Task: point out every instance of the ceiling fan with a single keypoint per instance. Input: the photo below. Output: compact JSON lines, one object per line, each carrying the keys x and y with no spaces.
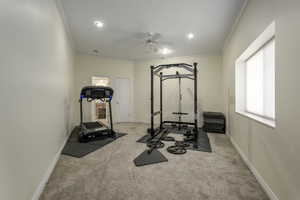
{"x":153,"y":42}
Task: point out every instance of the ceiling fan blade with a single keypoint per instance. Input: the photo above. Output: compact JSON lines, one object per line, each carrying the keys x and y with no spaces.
{"x":165,"y":43}
{"x":141,"y":35}
{"x":149,"y":42}
{"x":155,"y":36}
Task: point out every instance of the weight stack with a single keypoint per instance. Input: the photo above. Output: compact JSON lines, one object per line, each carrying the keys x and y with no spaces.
{"x":214,"y":122}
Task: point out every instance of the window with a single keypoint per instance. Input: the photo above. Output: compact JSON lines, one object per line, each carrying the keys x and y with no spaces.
{"x":260,"y":74}
{"x":255,"y":79}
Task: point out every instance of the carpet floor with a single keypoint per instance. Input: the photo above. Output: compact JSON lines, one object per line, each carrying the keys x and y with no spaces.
{"x":110,"y":174}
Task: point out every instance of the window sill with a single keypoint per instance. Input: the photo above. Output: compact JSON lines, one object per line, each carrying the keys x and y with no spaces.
{"x":264,"y":121}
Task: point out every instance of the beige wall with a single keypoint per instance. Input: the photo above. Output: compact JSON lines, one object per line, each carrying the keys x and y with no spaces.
{"x":274,"y":153}
{"x":36,"y":75}
{"x":88,"y":66}
{"x":209,"y":88}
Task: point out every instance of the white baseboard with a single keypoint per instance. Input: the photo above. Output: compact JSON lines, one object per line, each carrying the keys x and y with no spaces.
{"x":48,"y":173}
{"x":258,"y":177}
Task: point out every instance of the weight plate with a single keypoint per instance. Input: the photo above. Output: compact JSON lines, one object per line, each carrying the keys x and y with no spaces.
{"x":176,"y":150}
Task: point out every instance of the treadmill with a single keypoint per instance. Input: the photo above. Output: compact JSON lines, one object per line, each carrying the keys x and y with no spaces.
{"x":90,"y":131}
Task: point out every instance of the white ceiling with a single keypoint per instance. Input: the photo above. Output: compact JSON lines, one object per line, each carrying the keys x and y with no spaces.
{"x":209,"y":20}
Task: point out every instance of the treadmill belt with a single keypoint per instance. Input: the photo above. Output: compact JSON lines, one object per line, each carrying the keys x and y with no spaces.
{"x":76,"y":149}
{"x":92,"y":125}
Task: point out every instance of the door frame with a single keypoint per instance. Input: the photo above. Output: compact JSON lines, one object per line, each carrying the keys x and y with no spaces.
{"x":93,"y":104}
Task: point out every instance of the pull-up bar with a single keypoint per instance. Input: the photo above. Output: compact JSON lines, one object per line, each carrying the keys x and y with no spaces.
{"x":174,"y":65}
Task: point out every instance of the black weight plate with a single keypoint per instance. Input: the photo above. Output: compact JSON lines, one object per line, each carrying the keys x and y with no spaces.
{"x":176,"y":150}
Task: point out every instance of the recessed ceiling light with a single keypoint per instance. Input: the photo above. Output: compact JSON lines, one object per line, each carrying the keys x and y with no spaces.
{"x":190,"y":36}
{"x":165,"y":51}
{"x":98,"y":24}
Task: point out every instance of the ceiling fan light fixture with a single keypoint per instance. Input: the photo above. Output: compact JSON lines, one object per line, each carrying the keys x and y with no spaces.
{"x":165,"y":51}
{"x":98,"y":24}
{"x":190,"y":36}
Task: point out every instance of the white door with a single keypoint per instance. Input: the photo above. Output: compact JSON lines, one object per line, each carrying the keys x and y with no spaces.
{"x":122,"y":99}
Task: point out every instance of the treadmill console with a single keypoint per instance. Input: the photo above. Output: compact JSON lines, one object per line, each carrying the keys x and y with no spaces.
{"x":96,"y":92}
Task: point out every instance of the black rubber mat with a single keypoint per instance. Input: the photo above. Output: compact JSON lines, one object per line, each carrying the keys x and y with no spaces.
{"x":175,"y":130}
{"x":146,"y":158}
{"x":203,"y":143}
{"x":78,"y":150}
